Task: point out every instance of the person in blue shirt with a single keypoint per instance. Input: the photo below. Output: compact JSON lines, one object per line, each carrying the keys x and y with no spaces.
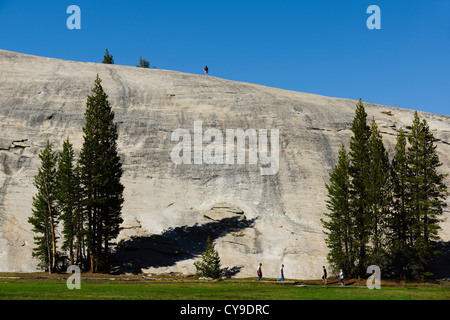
{"x":282,"y":273}
{"x":324,"y":276}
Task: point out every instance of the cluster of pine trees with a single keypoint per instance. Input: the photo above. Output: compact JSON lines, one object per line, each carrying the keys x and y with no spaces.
{"x":385,"y":212}
{"x":85,"y":195}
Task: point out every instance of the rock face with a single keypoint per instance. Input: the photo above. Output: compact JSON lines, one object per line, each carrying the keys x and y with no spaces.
{"x":171,"y":208}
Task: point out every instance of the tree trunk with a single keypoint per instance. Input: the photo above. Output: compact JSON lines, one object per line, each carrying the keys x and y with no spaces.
{"x":77,"y":250}
{"x":52,"y":230}
{"x":53,"y":241}
{"x":47,"y":243}
{"x":92,"y":261}
{"x":71,"y":256}
{"x":106,"y":255}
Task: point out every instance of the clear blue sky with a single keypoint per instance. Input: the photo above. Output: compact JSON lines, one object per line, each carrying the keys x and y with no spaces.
{"x":320,"y":46}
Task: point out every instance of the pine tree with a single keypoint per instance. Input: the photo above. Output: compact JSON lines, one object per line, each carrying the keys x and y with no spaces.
{"x":45,"y":213}
{"x":209,"y":266}
{"x":400,"y":222}
{"x":380,"y":191}
{"x":339,"y":224}
{"x":101,"y":172}
{"x":108,"y":59}
{"x":143,"y":63}
{"x":359,"y":194}
{"x":68,"y":197}
{"x":427,"y":194}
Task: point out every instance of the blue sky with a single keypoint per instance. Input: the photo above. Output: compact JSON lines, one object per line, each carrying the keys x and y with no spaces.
{"x":321,"y":47}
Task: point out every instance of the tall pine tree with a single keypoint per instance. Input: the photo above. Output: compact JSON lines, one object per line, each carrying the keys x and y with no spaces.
{"x":101,"y":172}
{"x":359,"y":194}
{"x":68,"y":198}
{"x":339,"y":224}
{"x":45,"y":212}
{"x":380,"y":195}
{"x":399,"y":222}
{"x":427,"y":193}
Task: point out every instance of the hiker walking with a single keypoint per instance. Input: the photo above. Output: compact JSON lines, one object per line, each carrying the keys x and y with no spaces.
{"x":324,"y":276}
{"x":206,"y":70}
{"x":282,"y":273}
{"x":341,"y":277}
{"x":259,"y":271}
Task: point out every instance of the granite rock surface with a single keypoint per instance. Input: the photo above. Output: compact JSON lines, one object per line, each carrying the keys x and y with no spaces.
{"x":171,"y":208}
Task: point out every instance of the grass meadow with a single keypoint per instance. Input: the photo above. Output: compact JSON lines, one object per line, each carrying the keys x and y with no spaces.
{"x":105,"y":287}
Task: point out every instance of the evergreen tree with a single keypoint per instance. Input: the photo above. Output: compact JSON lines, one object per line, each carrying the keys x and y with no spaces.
{"x":380,"y":191}
{"x":359,"y":192}
{"x":108,"y":59}
{"x":68,"y":197}
{"x":400,"y":222}
{"x":143,"y":63}
{"x":101,"y":172}
{"x":339,"y":224}
{"x":45,"y":213}
{"x":427,"y":194}
{"x":209,"y":266}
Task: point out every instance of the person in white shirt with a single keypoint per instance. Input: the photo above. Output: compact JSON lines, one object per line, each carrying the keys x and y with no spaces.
{"x":259,"y":271}
{"x":341,"y":277}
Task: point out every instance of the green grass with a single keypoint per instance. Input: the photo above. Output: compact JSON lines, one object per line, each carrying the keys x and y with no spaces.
{"x":103,"y":289}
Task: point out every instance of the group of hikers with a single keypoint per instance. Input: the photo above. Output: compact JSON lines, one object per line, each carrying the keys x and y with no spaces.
{"x":341,"y":276}
{"x":324,"y":274}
